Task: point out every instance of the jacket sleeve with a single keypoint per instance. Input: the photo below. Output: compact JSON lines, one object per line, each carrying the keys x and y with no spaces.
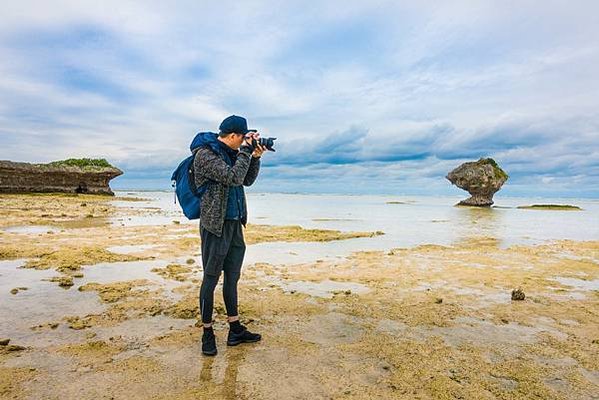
{"x":208,"y":165}
{"x":253,"y":171}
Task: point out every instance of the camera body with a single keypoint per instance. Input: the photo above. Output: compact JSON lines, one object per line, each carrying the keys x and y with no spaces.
{"x":264,"y":142}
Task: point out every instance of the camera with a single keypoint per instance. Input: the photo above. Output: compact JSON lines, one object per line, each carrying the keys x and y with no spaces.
{"x":265,"y":142}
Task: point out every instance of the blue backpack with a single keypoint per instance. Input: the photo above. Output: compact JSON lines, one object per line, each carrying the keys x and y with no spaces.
{"x":190,"y":196}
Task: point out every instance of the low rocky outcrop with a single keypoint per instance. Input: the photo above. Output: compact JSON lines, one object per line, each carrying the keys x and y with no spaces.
{"x":67,"y":176}
{"x":482,"y":179}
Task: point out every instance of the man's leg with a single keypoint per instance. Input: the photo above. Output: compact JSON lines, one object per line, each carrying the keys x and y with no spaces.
{"x":230,"y":294}
{"x":209,"y":283}
{"x":214,"y":250}
{"x":232,"y":271}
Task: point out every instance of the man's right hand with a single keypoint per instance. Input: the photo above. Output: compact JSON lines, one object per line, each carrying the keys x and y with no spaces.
{"x":250,"y":136}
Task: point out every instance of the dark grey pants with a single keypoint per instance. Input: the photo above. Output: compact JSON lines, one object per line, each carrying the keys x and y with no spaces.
{"x":225,"y":254}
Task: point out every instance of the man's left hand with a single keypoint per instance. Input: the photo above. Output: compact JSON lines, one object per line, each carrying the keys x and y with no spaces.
{"x":259,"y":150}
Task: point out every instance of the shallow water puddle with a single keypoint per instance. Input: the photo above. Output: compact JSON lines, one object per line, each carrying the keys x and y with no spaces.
{"x":104,"y":273}
{"x":130,"y":249}
{"x":484,"y":298}
{"x":570,"y":256}
{"x":123,"y":271}
{"x":332,"y":329}
{"x":470,"y":330}
{"x":40,"y":303}
{"x":146,"y":220}
{"x":287,"y":253}
{"x":31,"y":229}
{"x":141,"y":328}
{"x":325,"y":289}
{"x":579,"y":284}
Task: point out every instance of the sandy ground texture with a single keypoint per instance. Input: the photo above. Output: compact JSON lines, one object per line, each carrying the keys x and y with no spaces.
{"x":98,"y":310}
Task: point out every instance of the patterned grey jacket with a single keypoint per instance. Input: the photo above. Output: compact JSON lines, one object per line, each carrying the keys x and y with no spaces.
{"x":209,"y":165}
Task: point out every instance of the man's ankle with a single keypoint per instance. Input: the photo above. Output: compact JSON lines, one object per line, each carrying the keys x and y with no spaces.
{"x":236,"y":326}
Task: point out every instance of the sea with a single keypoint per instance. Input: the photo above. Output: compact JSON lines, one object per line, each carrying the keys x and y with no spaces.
{"x":406,"y":221}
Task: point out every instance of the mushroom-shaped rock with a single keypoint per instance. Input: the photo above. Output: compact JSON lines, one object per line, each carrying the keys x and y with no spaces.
{"x":482,"y":179}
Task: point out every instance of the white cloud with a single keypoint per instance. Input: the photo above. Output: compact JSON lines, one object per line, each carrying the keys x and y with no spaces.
{"x":435,"y":82}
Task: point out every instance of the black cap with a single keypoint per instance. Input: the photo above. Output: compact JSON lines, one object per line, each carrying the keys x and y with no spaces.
{"x":235,"y":124}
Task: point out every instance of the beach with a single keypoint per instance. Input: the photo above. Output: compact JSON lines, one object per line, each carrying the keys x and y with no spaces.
{"x":356,"y":297}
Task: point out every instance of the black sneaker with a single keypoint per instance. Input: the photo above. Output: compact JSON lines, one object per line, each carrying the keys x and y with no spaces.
{"x":209,"y":343}
{"x":244,"y":336}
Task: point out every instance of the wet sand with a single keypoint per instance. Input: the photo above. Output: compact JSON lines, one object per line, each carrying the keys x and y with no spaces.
{"x":105,"y":309}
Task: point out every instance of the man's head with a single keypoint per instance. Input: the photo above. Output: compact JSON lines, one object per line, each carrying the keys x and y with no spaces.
{"x":233,"y":130}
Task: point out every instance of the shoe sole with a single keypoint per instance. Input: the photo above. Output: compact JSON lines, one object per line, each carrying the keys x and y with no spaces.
{"x":242,"y":341}
{"x":209,"y":353}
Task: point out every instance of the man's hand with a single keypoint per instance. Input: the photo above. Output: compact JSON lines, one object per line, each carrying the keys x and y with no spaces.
{"x":249,"y":137}
{"x":258,"y":150}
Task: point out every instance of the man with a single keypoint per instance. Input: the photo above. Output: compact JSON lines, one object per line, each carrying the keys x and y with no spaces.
{"x":228,"y":161}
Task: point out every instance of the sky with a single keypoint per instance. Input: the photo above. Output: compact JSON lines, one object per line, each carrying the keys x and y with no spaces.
{"x":362,"y":96}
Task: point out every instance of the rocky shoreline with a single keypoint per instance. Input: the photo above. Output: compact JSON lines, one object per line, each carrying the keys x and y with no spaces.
{"x":425,"y":322}
{"x":66,"y":176}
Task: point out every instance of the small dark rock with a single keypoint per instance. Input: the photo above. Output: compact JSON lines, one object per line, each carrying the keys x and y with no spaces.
{"x":4,"y":342}
{"x":518,"y":295}
{"x":438,"y":300}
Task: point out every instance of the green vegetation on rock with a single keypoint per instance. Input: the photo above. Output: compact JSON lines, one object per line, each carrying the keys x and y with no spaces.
{"x":82,"y":163}
{"x":550,"y":207}
{"x":499,"y":173}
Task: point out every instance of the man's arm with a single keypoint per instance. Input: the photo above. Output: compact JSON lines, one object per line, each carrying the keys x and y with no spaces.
{"x":253,"y":171}
{"x":209,"y":165}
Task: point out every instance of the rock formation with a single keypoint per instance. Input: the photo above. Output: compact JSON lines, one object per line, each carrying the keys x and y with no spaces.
{"x":481,"y":179}
{"x":68,"y":176}
{"x":518,"y":295}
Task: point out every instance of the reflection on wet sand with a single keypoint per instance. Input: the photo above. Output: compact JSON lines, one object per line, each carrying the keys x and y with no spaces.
{"x":226,"y":377}
{"x":477,"y":222}
{"x":235,"y":357}
{"x":206,"y":371}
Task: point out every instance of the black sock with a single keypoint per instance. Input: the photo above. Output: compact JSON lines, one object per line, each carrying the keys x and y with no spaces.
{"x":236,"y":326}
